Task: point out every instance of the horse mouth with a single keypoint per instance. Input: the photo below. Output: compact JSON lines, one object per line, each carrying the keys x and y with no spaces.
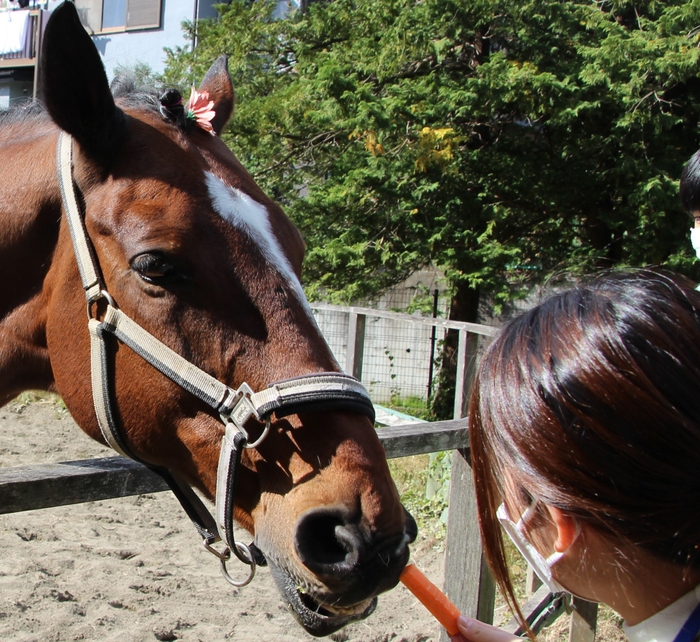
{"x":330,"y":611}
{"x":319,"y":618}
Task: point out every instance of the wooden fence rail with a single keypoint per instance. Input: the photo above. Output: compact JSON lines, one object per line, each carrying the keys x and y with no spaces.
{"x":73,"y":482}
{"x":467,"y":580}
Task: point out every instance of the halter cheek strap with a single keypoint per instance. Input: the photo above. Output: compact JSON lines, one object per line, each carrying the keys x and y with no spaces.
{"x":319,"y":391}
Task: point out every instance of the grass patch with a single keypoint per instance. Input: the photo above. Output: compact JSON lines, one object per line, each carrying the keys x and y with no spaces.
{"x":411,"y":476}
{"x":24,"y":399}
{"x":413,"y":406}
{"x":37,"y":396}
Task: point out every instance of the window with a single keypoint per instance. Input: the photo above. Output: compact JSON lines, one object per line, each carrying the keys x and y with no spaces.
{"x":118,"y":15}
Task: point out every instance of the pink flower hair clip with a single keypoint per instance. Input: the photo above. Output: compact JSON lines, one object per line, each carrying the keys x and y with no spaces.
{"x":200,"y":109}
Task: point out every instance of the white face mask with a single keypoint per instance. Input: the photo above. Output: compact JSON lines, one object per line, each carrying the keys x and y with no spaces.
{"x":541,"y":566}
{"x":695,"y":240}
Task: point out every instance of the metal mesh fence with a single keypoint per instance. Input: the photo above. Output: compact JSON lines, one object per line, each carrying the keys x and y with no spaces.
{"x":398,"y":357}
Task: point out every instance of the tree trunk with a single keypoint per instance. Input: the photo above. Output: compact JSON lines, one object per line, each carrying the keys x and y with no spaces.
{"x":608,"y":247}
{"x":464,"y":307}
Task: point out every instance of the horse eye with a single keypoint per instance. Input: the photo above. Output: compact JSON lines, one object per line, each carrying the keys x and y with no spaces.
{"x":155,"y":268}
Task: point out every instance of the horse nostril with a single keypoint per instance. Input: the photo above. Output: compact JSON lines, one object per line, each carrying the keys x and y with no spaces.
{"x":351,"y":561}
{"x":351,"y":541}
{"x":325,"y":543}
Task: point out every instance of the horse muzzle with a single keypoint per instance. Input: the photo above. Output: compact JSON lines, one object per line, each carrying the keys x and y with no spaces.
{"x":350,"y":568}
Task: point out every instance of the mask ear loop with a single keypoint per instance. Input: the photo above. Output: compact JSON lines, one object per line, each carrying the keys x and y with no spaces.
{"x":529,"y":514}
{"x":516,"y":532}
{"x":526,"y":517}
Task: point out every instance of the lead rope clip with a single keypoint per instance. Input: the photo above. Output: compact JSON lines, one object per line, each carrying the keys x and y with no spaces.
{"x":225,"y":555}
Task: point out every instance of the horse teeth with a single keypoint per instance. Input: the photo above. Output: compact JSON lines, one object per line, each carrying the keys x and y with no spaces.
{"x":331,"y":609}
{"x":347,"y":610}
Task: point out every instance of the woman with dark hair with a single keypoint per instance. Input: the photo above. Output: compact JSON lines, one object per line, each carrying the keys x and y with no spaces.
{"x":690,"y":197}
{"x":585,"y":442}
{"x":690,"y":184}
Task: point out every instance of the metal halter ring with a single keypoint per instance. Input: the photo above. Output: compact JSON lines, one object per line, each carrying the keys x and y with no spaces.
{"x":260,"y":439}
{"x":103,"y":294}
{"x":225,"y":556}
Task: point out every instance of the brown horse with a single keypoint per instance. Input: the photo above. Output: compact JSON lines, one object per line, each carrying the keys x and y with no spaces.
{"x":192,"y":250}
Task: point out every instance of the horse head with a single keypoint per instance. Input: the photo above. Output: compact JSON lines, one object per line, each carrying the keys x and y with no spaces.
{"x":193,"y":251}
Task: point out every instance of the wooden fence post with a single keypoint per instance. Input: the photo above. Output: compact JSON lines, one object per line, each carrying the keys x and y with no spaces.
{"x":583,"y":620}
{"x":467,"y":349}
{"x":461,"y":376}
{"x":532,"y":582}
{"x":356,"y":344}
{"x":468,"y":581}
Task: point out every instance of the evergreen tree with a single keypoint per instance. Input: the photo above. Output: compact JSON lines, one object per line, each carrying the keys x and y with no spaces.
{"x":500,"y":140}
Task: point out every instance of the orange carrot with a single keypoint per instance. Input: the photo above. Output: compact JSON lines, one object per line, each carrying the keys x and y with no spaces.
{"x":432,"y":598}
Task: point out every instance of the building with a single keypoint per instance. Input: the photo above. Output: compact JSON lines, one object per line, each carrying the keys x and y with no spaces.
{"x":20,"y":31}
{"x":126,"y":33}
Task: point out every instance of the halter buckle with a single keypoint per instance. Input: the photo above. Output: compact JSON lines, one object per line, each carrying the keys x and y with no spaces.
{"x":242,"y":410}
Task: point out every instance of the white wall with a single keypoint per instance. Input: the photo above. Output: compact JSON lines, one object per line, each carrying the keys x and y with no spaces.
{"x":129,"y":48}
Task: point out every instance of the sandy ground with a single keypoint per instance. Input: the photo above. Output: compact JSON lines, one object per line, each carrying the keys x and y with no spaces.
{"x":133,"y":569}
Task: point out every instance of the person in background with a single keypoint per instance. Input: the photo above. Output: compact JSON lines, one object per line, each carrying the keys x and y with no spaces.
{"x":690,"y":197}
{"x":585,"y":441}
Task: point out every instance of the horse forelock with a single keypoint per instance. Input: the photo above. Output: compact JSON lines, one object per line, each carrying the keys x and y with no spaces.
{"x":129,"y":94}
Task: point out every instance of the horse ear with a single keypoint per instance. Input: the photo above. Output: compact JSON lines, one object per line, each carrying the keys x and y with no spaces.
{"x":217,"y":83}
{"x":74,"y":84}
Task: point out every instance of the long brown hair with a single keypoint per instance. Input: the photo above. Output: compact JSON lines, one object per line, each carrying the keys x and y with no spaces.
{"x":591,"y":403}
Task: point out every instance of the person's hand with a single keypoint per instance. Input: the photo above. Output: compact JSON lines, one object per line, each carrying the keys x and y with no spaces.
{"x":471,"y":630}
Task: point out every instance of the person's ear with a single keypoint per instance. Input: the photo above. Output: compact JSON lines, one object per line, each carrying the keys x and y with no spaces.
{"x":568,"y":528}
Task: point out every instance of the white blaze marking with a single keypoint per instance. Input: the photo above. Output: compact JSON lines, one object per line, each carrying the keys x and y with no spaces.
{"x":248,"y":215}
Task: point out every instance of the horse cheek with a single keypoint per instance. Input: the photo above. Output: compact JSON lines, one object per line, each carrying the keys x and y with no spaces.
{"x":69,"y":349}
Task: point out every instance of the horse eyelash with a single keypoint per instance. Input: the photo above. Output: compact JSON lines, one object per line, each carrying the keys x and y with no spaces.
{"x":161,"y":266}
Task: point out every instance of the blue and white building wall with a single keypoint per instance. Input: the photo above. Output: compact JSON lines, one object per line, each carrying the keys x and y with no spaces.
{"x":131,"y":32}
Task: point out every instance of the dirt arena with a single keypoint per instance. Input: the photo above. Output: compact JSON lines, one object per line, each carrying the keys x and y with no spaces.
{"x":133,"y":569}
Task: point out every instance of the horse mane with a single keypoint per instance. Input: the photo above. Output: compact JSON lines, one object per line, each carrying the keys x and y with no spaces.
{"x":129,"y":93}
{"x":126,"y":91}
{"x":23,"y":112}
